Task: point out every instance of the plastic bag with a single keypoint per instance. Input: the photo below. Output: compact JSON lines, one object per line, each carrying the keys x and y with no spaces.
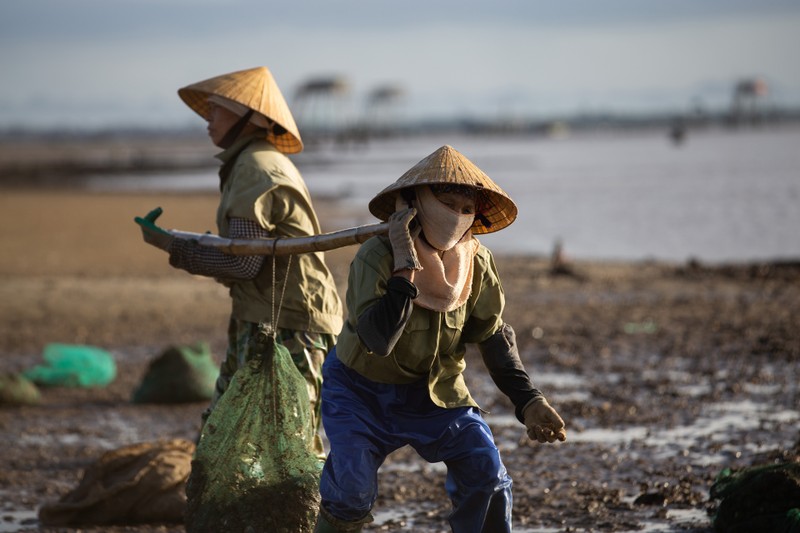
{"x":254,"y":469}
{"x":180,"y":374}
{"x":70,"y":365}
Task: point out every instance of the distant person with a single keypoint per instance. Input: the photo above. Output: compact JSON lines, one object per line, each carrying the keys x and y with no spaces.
{"x":263,"y":196}
{"x":415,"y":298}
{"x":677,"y":131}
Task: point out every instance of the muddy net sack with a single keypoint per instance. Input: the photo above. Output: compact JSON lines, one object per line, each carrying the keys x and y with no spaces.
{"x":760,"y":498}
{"x":254,"y":469}
{"x":185,"y":373}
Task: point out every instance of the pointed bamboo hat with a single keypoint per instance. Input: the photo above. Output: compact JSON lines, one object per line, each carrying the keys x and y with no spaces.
{"x":496,"y":210}
{"x":255,"y":89}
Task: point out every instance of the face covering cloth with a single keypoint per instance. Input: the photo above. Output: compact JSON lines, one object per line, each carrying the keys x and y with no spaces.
{"x":441,"y":226}
{"x":445,"y":249}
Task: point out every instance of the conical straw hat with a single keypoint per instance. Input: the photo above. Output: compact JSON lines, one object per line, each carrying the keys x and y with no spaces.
{"x":447,"y":165}
{"x":254,"y":88}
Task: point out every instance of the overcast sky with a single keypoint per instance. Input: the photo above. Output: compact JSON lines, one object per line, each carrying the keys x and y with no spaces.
{"x":97,"y":63}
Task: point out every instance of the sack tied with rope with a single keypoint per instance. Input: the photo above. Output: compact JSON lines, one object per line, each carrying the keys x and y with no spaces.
{"x":254,"y":469}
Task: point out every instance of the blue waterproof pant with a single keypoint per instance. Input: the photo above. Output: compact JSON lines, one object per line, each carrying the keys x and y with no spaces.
{"x":365,"y":421}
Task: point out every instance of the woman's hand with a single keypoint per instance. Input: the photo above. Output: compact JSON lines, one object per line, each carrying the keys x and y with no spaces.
{"x":152,"y":233}
{"x":543,"y":422}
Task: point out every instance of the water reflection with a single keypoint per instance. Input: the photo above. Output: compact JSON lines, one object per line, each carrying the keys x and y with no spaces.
{"x":727,"y":195}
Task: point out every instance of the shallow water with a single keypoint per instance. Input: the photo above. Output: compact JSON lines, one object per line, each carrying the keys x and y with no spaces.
{"x":723,"y":195}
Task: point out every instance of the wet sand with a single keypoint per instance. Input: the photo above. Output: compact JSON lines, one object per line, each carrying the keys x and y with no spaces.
{"x":664,"y":373}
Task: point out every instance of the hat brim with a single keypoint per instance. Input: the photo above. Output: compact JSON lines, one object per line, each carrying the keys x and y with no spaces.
{"x":255,"y":89}
{"x":496,"y":209}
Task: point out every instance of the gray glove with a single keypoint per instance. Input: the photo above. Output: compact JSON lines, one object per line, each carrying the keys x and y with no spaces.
{"x":402,"y":236}
{"x":543,"y":422}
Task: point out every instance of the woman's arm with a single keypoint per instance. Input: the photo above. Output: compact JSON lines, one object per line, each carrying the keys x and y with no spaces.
{"x":501,"y":357}
{"x":380,"y":326}
{"x":190,"y":256}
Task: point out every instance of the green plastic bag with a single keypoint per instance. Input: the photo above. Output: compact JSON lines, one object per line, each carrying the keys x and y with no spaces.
{"x":71,"y":365}
{"x":764,"y":498}
{"x":254,"y":469}
{"x":179,"y":374}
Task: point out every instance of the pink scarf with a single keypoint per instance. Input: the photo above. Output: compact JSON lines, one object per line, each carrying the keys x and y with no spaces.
{"x":445,"y":281}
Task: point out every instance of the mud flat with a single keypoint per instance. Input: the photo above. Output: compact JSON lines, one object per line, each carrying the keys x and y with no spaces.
{"x":664,"y":373}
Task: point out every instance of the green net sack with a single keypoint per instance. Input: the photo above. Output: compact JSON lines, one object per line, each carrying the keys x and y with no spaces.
{"x":179,"y":374}
{"x":254,"y":469}
{"x":760,"y":498}
{"x":71,"y":365}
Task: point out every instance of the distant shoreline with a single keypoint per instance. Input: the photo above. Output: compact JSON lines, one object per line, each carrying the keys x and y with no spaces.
{"x":66,"y":162}
{"x":541,"y":123}
{"x":630,"y":221}
{"x":64,"y":159}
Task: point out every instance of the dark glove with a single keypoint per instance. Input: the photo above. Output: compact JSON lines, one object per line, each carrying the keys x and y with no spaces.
{"x":543,"y":422}
{"x":402,"y":236}
{"x":151,"y":233}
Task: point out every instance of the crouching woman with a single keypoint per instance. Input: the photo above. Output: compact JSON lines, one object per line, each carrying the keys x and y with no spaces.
{"x":414,"y":300}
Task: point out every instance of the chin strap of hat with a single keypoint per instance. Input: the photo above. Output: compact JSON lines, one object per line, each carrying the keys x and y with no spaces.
{"x":228,"y":140}
{"x":236,"y":129}
{"x":483,"y":220}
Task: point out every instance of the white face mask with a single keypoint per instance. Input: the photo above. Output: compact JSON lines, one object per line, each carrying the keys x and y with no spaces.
{"x":442,"y":226}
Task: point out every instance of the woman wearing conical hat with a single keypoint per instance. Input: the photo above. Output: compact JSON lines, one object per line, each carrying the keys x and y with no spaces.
{"x":414,"y":300}
{"x":262,"y":195}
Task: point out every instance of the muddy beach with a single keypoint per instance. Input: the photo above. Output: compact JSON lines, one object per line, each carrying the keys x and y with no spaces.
{"x":664,"y":373}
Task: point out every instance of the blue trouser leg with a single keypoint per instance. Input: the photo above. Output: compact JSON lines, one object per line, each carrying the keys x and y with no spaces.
{"x":365,"y":421}
{"x":478,"y":501}
{"x":349,"y":481}
{"x":477,"y":481}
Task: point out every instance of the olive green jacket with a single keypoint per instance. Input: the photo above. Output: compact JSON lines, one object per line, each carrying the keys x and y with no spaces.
{"x":266,"y":187}
{"x":432,"y":344}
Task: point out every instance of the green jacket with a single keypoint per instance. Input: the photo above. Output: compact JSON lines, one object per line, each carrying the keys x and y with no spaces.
{"x":265,"y":186}
{"x":432,"y":345}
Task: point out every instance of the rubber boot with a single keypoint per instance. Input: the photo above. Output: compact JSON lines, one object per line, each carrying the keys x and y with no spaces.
{"x":329,"y":524}
{"x":323,"y":526}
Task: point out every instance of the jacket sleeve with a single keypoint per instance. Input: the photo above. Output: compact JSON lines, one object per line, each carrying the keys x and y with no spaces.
{"x":380,"y":326}
{"x":200,"y":260}
{"x":501,"y":357}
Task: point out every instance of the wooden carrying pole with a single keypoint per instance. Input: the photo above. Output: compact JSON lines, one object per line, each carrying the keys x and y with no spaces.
{"x":286,"y":245}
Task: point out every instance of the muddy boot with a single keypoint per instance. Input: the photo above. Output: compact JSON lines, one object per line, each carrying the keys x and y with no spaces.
{"x":330,"y":524}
